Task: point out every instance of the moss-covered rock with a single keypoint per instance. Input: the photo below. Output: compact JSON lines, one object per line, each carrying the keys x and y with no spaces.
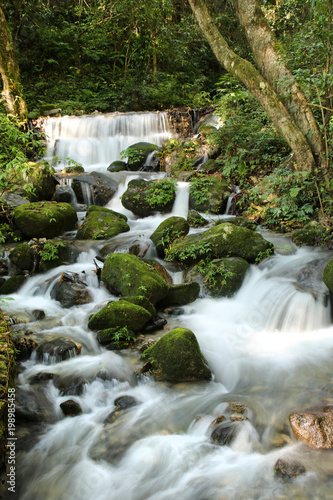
{"x":120,"y":314}
{"x":138,"y":154}
{"x":12,"y":284}
{"x":40,"y":176}
{"x":145,"y":198}
{"x":116,"y":338}
{"x":237,"y":221}
{"x":54,"y":253}
{"x":219,"y":277}
{"x":305,"y":237}
{"x":45,"y":219}
{"x":220,"y":241}
{"x":179,"y":295}
{"x":195,"y":219}
{"x":101,"y":223}
{"x":130,"y":276}
{"x":209,"y":194}
{"x":117,"y":166}
{"x":22,"y":257}
{"x":177,"y":357}
{"x":327,"y":275}
{"x":142,"y":301}
{"x":168,"y":231}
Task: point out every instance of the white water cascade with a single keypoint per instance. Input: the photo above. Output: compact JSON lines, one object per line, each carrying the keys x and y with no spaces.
{"x":270,"y":348}
{"x":97,"y":140}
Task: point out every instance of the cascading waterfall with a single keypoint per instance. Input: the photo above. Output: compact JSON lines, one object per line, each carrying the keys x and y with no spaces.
{"x":97,"y":140}
{"x":269,"y":347}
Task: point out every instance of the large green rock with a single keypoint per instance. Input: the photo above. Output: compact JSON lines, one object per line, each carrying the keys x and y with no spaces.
{"x":22,"y":257}
{"x":145,"y":198}
{"x":120,"y":314}
{"x":224,"y":240}
{"x":45,"y":219}
{"x":328,"y":275}
{"x":101,"y":223}
{"x":12,"y":284}
{"x":209,"y":194}
{"x":179,"y":295}
{"x":138,"y":154}
{"x":128,"y":275}
{"x":219,"y":277}
{"x":169,"y":230}
{"x":40,"y":176}
{"x":177,"y":357}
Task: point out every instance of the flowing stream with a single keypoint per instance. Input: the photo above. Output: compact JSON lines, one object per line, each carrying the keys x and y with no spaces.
{"x":270,"y":348}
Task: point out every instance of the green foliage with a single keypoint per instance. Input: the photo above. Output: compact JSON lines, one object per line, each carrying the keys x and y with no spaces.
{"x":161,"y":192}
{"x":123,"y":336}
{"x":50,"y":250}
{"x":184,"y":151}
{"x":200,"y":188}
{"x":192,"y":252}
{"x":131,"y":154}
{"x":214,"y":272}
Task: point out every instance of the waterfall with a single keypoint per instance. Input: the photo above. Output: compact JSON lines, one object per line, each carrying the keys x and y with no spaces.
{"x":97,"y":140}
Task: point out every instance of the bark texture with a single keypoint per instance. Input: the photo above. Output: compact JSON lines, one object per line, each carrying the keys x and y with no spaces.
{"x":12,"y":95}
{"x":259,"y":86}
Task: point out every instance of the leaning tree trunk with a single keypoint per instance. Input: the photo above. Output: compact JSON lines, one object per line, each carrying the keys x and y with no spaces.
{"x":258,"y":86}
{"x":12,"y":95}
{"x":265,"y":49}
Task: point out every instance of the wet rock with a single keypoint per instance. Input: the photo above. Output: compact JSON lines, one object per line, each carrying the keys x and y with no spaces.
{"x":142,"y":301}
{"x":177,"y":357}
{"x":138,"y":196}
{"x":115,"y":338}
{"x":33,"y":405}
{"x":25,"y":347}
{"x":101,"y":188}
{"x":209,"y":194}
{"x":138,"y":155}
{"x":182,"y":294}
{"x":73,"y":385}
{"x":45,"y":219}
{"x":195,"y":219}
{"x":288,"y":470}
{"x":224,"y":433}
{"x":23,"y":257}
{"x":160,"y":270}
{"x":131,"y":276}
{"x":120,"y":314}
{"x":328,"y":275}
{"x":154,"y":324}
{"x":60,"y":348}
{"x":64,"y":254}
{"x":219,"y":277}
{"x":169,"y":230}
{"x":12,"y":284}
{"x":41,"y":377}
{"x":3,"y":267}
{"x":101,"y":223}
{"x":121,"y":403}
{"x":38,"y":314}
{"x":63,"y":194}
{"x":117,"y":166}
{"x":71,"y":408}
{"x":314,"y":426}
{"x":70,"y":294}
{"x":220,"y":241}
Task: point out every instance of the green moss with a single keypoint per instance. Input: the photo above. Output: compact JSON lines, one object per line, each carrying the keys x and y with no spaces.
{"x":169,"y":230}
{"x":147,"y":197}
{"x":177,"y":357}
{"x":22,"y":257}
{"x":12,"y":284}
{"x":209,"y":194}
{"x":328,"y":275}
{"x":141,"y":301}
{"x":130,"y":276}
{"x":195,"y":219}
{"x":101,"y":223}
{"x":120,"y":314}
{"x":180,"y":295}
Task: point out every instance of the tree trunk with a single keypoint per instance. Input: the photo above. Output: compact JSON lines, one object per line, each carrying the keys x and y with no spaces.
{"x":12,"y":95}
{"x":258,"y":86}
{"x":265,"y":49}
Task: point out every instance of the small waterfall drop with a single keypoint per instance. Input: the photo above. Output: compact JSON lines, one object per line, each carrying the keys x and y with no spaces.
{"x":97,"y":140}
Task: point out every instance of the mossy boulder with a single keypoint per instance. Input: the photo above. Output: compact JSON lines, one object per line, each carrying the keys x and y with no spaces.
{"x":22,"y":257}
{"x":142,"y":301}
{"x":138,"y":154}
{"x":219,"y":277}
{"x":177,"y":357}
{"x":328,"y":275}
{"x":224,"y":240}
{"x":209,"y":194}
{"x":130,"y":276}
{"x":45,"y":219}
{"x":101,"y":223}
{"x":40,"y":176}
{"x":179,"y":295}
{"x":12,"y":284}
{"x":195,"y":219}
{"x":169,"y":230}
{"x":63,"y":255}
{"x":237,"y":221}
{"x":117,"y":166}
{"x":145,"y":198}
{"x":120,"y":314}
{"x":305,"y":237}
{"x":116,"y":338}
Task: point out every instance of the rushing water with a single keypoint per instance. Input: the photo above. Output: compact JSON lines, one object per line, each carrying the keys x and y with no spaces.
{"x":270,"y":348}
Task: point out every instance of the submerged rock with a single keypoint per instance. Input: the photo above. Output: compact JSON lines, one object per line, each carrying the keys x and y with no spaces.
{"x":71,"y":408}
{"x":131,"y":276}
{"x":101,"y":223}
{"x":286,"y":469}
{"x":45,"y":219}
{"x":60,"y":348}
{"x":314,"y":426}
{"x":177,"y":357}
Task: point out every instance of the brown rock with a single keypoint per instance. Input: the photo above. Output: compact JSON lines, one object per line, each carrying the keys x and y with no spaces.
{"x":314,"y":426}
{"x":288,"y":470}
